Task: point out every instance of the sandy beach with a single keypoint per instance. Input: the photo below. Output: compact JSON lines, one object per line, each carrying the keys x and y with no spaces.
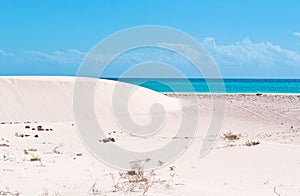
{"x":256,"y":153}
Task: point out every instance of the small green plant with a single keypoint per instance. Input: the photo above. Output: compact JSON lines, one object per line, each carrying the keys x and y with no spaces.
{"x":4,"y":140}
{"x":172,"y":168}
{"x":19,"y":134}
{"x":35,"y":159}
{"x":25,"y":152}
{"x":147,"y":159}
{"x":252,"y":143}
{"x":79,"y":154}
{"x":160,"y":163}
{"x":32,"y":149}
{"x":5,"y":158}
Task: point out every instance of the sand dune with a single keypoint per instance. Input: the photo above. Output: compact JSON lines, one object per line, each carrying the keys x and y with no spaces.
{"x":50,"y":99}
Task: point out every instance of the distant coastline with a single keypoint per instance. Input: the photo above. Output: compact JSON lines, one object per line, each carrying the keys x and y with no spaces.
{"x":247,"y":86}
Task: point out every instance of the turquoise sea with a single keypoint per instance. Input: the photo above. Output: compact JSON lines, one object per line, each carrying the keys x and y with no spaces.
{"x":231,"y":85}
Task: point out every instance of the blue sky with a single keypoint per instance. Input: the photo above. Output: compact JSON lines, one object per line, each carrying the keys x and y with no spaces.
{"x":246,"y":38}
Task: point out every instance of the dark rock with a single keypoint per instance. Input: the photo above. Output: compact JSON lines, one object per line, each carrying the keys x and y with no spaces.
{"x":109,"y":139}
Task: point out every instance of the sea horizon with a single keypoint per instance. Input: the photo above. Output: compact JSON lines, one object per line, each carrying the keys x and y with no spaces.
{"x":199,"y":85}
{"x":232,"y":85}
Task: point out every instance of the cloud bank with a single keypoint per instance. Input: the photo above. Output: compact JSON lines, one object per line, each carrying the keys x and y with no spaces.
{"x":246,"y":52}
{"x":244,"y":58}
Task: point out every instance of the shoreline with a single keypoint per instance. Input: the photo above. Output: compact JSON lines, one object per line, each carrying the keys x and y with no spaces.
{"x":204,"y":93}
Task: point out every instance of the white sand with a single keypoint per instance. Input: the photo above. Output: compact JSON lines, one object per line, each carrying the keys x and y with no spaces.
{"x":231,"y":168}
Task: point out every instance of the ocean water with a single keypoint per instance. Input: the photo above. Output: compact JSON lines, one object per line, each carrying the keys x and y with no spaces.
{"x":231,"y":85}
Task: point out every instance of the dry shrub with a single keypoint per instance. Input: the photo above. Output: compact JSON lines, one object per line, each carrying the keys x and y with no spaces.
{"x":95,"y":190}
{"x":252,"y":143}
{"x":136,"y":179}
{"x":231,"y":137}
{"x":7,"y":192}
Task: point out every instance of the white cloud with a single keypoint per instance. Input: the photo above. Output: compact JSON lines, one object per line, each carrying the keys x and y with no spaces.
{"x":181,"y":48}
{"x":246,"y":52}
{"x":297,"y":33}
{"x":70,"y":56}
{"x":8,"y":58}
{"x":7,"y":54}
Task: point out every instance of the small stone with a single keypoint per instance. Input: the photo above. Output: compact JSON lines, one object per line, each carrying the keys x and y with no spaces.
{"x":110,"y":139}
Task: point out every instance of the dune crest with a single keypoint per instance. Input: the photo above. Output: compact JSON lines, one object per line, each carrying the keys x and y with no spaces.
{"x":50,"y":98}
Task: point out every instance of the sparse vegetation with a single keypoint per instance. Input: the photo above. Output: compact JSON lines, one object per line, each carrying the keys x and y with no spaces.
{"x":79,"y":154}
{"x":160,"y":163}
{"x":7,"y":192}
{"x":19,"y":134}
{"x":135,"y":179}
{"x":56,"y":150}
{"x":46,"y":193}
{"x":32,"y":149}
{"x":5,"y":158}
{"x":95,"y":190}
{"x":4,"y":140}
{"x":138,"y":180}
{"x":252,"y":143}
{"x":231,"y":137}
{"x":172,"y":168}
{"x":26,"y":151}
{"x":35,"y":159}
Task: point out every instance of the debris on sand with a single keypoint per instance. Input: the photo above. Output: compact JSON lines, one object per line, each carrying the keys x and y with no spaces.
{"x":109,"y":139}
